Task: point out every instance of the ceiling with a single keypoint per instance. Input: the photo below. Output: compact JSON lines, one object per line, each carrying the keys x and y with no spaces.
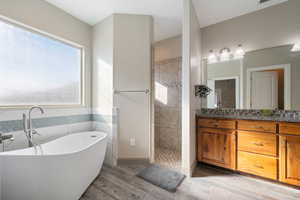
{"x":212,"y":11}
{"x":167,"y":14}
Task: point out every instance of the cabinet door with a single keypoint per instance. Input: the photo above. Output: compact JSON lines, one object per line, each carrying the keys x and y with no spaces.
{"x":217,"y":147}
{"x":289,"y":158}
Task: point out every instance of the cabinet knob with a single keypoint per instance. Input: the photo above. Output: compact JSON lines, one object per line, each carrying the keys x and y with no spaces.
{"x":258,"y":127}
{"x":259,"y":166}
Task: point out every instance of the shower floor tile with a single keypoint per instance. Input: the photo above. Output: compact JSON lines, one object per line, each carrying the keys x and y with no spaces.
{"x":168,"y":158}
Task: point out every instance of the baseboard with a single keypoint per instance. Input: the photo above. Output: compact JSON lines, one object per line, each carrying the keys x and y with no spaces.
{"x":189,"y":171}
{"x":133,"y":161}
{"x":193,"y":167}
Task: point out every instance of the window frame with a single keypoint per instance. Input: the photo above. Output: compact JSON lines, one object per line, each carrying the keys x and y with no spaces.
{"x":59,"y":39}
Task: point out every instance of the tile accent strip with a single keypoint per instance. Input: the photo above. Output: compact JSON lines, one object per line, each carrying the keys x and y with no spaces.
{"x":17,"y":125}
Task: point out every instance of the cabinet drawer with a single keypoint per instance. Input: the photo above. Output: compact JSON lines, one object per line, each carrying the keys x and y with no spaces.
{"x":257,"y":126}
{"x":262,"y":143}
{"x":216,"y":123}
{"x":256,"y":164}
{"x":289,"y":128}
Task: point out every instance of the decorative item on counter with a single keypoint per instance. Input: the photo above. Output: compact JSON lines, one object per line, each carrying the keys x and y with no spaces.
{"x":267,"y":113}
{"x":202,"y":91}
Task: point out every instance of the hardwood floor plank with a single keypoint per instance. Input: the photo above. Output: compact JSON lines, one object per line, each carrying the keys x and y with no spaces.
{"x":116,"y":190}
{"x":148,"y":188}
{"x":94,"y":193}
{"x":209,"y":183}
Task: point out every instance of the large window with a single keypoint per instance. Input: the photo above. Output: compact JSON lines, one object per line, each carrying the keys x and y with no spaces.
{"x":36,"y":69}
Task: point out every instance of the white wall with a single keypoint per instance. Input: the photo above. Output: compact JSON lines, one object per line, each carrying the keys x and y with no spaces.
{"x":273,"y":26}
{"x":133,"y":35}
{"x":103,"y":67}
{"x":191,"y":67}
{"x":103,"y":41}
{"x":122,"y":61}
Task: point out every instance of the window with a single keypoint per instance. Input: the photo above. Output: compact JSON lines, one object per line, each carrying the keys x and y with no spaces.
{"x":37,"y":69}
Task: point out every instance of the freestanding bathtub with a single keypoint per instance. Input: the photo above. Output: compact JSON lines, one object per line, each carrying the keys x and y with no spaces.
{"x":61,"y":169}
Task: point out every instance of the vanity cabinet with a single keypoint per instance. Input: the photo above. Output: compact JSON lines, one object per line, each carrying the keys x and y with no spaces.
{"x":257,"y":148}
{"x":262,"y":148}
{"x":218,"y":147}
{"x":289,"y":153}
{"x":256,"y":164}
{"x":217,"y":139}
{"x":257,"y":142}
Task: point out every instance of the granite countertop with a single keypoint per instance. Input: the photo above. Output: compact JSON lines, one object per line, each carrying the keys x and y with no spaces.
{"x":247,"y":117}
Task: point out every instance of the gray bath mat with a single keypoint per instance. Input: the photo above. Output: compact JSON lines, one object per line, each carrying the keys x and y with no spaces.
{"x":162,"y":177}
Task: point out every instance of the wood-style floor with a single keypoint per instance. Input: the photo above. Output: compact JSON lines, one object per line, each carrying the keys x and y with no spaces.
{"x":120,"y":183}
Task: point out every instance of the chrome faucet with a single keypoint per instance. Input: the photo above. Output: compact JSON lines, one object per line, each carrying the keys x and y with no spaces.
{"x":27,"y":125}
{"x":6,"y":137}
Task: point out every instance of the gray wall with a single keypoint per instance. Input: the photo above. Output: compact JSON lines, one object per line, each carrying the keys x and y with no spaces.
{"x":224,"y":69}
{"x":168,"y":111}
{"x":273,"y":26}
{"x":168,"y":49}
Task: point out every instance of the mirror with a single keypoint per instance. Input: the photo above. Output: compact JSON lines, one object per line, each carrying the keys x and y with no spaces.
{"x":262,"y":79}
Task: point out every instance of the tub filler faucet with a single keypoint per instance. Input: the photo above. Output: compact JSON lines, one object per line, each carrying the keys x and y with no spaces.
{"x":27,"y":125}
{"x":6,"y":137}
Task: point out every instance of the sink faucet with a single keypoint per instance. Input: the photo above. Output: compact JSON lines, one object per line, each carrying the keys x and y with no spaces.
{"x":27,"y":124}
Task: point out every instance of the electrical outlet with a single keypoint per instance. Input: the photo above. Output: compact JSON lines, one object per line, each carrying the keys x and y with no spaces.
{"x":132,"y":141}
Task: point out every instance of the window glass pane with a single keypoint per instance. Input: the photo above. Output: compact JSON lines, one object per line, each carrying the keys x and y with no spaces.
{"x":35,"y":69}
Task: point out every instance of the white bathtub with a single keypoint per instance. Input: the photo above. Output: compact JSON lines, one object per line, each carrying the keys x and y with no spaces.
{"x":61,"y":169}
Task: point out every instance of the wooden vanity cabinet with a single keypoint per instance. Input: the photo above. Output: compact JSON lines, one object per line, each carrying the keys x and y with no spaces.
{"x":289,"y":153}
{"x":217,"y":142}
{"x":262,"y":148}
{"x":218,"y":147}
{"x":257,"y":148}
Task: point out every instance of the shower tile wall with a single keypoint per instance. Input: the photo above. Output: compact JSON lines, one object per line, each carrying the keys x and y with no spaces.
{"x":167,"y":76}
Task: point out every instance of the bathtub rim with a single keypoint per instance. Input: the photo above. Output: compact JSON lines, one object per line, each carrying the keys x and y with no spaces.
{"x":14,"y":153}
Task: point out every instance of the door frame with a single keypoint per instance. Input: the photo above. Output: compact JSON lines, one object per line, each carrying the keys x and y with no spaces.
{"x":287,"y":83}
{"x":238,"y":88}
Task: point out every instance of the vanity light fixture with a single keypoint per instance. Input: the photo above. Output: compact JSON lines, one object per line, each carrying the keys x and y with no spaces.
{"x":239,"y":53}
{"x":212,"y":58}
{"x":296,"y":47}
{"x":225,"y":54}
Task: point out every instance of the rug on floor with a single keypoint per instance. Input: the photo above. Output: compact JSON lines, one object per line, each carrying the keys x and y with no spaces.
{"x":162,"y":177}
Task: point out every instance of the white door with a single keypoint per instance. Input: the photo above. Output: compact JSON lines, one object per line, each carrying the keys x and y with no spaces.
{"x":264,"y":90}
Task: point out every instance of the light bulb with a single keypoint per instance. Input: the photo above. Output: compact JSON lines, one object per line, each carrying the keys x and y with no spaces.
{"x":225,"y":54}
{"x":296,"y":47}
{"x":212,"y":58}
{"x":239,"y":53}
